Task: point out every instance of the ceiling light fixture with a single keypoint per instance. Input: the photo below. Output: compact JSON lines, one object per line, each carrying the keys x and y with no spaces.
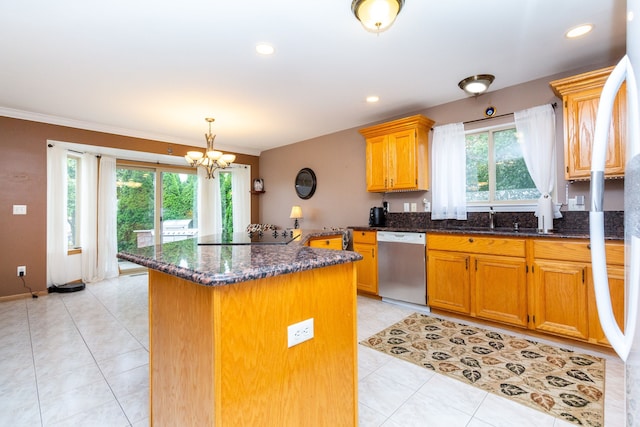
{"x":211,"y":159}
{"x":578,"y":31}
{"x":372,"y":99}
{"x":475,"y":85}
{"x":376,"y":15}
{"x":264,"y":49}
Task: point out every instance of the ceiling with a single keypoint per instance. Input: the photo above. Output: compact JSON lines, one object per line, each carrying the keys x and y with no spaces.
{"x":156,"y":69}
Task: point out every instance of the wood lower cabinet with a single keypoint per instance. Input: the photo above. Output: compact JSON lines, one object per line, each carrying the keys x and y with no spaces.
{"x":500,"y":291}
{"x":326,"y":242}
{"x":562,"y":288}
{"x":448,"y":283}
{"x":483,"y":277}
{"x":616,"y":291}
{"x":561,"y":298}
{"x":365,"y":243}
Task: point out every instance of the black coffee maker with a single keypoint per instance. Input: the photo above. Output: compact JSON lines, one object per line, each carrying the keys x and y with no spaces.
{"x":377,"y":217}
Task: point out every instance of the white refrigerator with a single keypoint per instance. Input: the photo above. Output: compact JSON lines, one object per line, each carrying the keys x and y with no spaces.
{"x":627,"y":343}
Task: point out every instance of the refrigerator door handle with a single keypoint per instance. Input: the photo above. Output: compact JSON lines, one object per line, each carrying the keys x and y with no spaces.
{"x":621,"y":342}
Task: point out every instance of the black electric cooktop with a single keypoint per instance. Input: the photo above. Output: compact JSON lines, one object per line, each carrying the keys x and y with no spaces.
{"x":279,"y":237}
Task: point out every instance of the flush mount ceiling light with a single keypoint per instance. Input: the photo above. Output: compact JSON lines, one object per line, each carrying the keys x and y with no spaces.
{"x":475,"y":85}
{"x":264,"y":49}
{"x":211,"y":159}
{"x":578,"y":31}
{"x":376,"y":15}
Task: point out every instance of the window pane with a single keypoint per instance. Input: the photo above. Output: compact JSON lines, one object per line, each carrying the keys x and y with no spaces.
{"x":513,"y":181}
{"x":136,"y":208}
{"x":477,"y":147}
{"x":227,"y":202}
{"x":73,"y":238}
{"x":179,"y":191}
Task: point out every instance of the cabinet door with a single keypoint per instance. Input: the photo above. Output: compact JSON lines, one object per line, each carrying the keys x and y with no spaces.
{"x":403,"y":164}
{"x":581,"y":110}
{"x":616,"y":291}
{"x":367,"y":268}
{"x":377,"y":159}
{"x":448,"y":281}
{"x":499,"y":289}
{"x":560,"y":304}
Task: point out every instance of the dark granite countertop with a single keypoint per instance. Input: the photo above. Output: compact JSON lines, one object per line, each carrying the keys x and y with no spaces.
{"x":507,"y":232}
{"x":216,"y":265}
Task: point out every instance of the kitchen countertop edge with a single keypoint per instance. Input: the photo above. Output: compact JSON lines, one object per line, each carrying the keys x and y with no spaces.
{"x":523,"y":232}
{"x":271,"y":260}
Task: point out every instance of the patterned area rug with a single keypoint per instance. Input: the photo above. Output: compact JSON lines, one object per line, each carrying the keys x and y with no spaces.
{"x":554,"y":380}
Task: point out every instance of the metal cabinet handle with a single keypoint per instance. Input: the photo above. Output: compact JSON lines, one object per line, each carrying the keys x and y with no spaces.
{"x":470,"y":239}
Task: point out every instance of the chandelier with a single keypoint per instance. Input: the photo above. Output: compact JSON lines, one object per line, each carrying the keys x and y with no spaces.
{"x":211,"y":159}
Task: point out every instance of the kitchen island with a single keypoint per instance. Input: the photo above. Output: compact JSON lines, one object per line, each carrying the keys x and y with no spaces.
{"x":219,"y":347}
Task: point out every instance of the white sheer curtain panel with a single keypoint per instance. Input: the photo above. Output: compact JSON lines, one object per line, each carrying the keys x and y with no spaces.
{"x":107,"y":265}
{"x":449,"y":176}
{"x":58,"y":226}
{"x":536,"y":129}
{"x":241,"y":188}
{"x":209,"y":209}
{"x":88,"y":197}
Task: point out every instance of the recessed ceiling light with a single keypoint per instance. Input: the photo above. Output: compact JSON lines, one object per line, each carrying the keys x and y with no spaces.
{"x":264,"y":49}
{"x":373,"y":98}
{"x":578,"y":31}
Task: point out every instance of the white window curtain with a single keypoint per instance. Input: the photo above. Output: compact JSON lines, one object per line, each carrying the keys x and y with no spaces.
{"x":536,"y":129}
{"x":107,"y":265}
{"x":241,"y":188}
{"x":448,"y":166}
{"x":209,"y":209}
{"x":57,"y":223}
{"x":88,"y":195}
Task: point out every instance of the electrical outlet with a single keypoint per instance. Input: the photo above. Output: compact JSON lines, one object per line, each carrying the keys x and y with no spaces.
{"x":22,"y":270}
{"x":406,"y":207}
{"x":300,"y":332}
{"x":414,"y":207}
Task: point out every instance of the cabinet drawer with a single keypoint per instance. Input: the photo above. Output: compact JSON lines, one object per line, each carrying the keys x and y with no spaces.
{"x":330,"y":242}
{"x":572,"y":250}
{"x":477,"y":244}
{"x":364,"y":237}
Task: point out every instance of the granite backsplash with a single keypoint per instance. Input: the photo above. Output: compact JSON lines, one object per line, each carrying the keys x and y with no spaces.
{"x":571,"y":221}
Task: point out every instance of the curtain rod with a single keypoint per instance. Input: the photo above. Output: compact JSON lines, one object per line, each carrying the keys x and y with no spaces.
{"x":554,"y":105}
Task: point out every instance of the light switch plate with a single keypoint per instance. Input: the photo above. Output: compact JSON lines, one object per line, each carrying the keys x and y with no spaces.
{"x":406,"y":207}
{"x":414,"y":207}
{"x":19,"y":209}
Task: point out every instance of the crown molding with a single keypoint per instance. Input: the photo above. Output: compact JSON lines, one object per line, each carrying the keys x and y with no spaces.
{"x":98,"y":127}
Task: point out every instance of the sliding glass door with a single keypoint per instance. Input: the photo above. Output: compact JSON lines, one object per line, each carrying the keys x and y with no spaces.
{"x":155,"y":205}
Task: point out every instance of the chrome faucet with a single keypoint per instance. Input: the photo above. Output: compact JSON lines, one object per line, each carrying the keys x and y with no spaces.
{"x":491,"y":221}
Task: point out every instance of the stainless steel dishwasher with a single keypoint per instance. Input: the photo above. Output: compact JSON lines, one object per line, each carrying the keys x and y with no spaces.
{"x":402,"y":272}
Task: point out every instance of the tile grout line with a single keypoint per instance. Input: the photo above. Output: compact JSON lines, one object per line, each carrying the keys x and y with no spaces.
{"x":94,"y":357}
{"x":33,"y":363}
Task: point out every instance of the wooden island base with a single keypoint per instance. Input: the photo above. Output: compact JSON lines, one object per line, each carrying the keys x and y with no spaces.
{"x":219,"y":356}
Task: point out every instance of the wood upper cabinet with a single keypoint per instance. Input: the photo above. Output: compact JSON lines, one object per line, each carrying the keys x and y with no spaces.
{"x":580,"y":98}
{"x":397,"y":155}
{"x":484,"y":277}
{"x":365,"y":243}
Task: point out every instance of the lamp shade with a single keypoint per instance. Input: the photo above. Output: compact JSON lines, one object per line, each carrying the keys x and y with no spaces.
{"x":296,"y":212}
{"x":376,"y":15}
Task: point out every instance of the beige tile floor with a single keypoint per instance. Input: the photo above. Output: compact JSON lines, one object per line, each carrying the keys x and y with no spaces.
{"x":81,"y":359}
